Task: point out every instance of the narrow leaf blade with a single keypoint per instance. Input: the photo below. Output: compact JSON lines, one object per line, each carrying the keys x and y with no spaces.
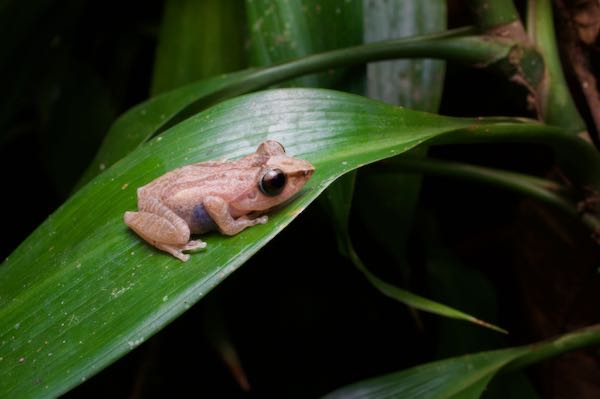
{"x":464,"y":377}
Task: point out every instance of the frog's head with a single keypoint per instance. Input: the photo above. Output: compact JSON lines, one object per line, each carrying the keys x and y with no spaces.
{"x":280,"y":178}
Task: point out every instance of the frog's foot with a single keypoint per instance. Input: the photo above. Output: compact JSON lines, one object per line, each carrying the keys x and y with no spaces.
{"x":177,"y":251}
{"x":194,"y":245}
{"x":173,"y":250}
{"x":261,"y":220}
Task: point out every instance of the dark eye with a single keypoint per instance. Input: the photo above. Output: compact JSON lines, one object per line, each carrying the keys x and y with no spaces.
{"x":273,"y":182}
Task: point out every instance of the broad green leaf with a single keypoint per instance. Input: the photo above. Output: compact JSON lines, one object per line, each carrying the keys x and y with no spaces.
{"x":198,"y":39}
{"x":281,"y":30}
{"x":464,"y":377}
{"x":83,"y":290}
{"x":415,"y":84}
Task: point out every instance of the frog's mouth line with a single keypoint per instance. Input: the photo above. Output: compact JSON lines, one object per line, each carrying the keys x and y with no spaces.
{"x":282,"y":205}
{"x":301,"y":173}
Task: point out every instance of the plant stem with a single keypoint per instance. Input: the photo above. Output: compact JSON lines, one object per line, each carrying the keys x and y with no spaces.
{"x":492,"y":13}
{"x":577,"y":158}
{"x":454,"y":45}
{"x":558,"y":107}
{"x":535,"y":187}
{"x":547,"y":349}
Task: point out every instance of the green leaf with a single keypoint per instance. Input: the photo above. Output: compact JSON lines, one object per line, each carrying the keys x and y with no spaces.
{"x":83,"y":290}
{"x":281,"y":30}
{"x":198,"y":39}
{"x":417,"y":83}
{"x":414,"y":300}
{"x":464,"y":377}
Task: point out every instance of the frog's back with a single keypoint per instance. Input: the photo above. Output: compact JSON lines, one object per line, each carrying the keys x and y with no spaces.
{"x":213,"y":177}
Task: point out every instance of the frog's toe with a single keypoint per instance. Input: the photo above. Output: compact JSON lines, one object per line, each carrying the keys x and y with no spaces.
{"x":183,"y":257}
{"x":173,"y":250}
{"x":262,"y":220}
{"x":194,"y":245}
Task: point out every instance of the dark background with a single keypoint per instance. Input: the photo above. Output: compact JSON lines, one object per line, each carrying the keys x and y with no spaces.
{"x":297,"y":336}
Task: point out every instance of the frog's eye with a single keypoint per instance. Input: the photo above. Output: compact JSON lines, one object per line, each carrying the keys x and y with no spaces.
{"x":272,"y":182}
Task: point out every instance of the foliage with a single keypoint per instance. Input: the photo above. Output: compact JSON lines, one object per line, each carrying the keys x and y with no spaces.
{"x":82,"y":290}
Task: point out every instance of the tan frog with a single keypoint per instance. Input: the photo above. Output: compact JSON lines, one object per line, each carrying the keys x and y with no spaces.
{"x":227,"y":196}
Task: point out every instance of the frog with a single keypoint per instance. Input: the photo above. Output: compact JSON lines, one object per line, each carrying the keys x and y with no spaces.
{"x":224,"y":195}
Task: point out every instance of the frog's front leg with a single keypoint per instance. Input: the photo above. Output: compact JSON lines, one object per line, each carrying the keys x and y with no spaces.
{"x":218,"y":210}
{"x":162,"y":228}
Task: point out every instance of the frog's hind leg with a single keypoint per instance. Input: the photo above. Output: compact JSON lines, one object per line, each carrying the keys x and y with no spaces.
{"x":163,"y":228}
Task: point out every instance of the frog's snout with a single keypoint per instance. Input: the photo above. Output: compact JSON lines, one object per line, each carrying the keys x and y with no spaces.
{"x":309,"y":169}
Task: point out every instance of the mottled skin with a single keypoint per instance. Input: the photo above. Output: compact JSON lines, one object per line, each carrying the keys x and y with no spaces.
{"x":228,"y":191}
